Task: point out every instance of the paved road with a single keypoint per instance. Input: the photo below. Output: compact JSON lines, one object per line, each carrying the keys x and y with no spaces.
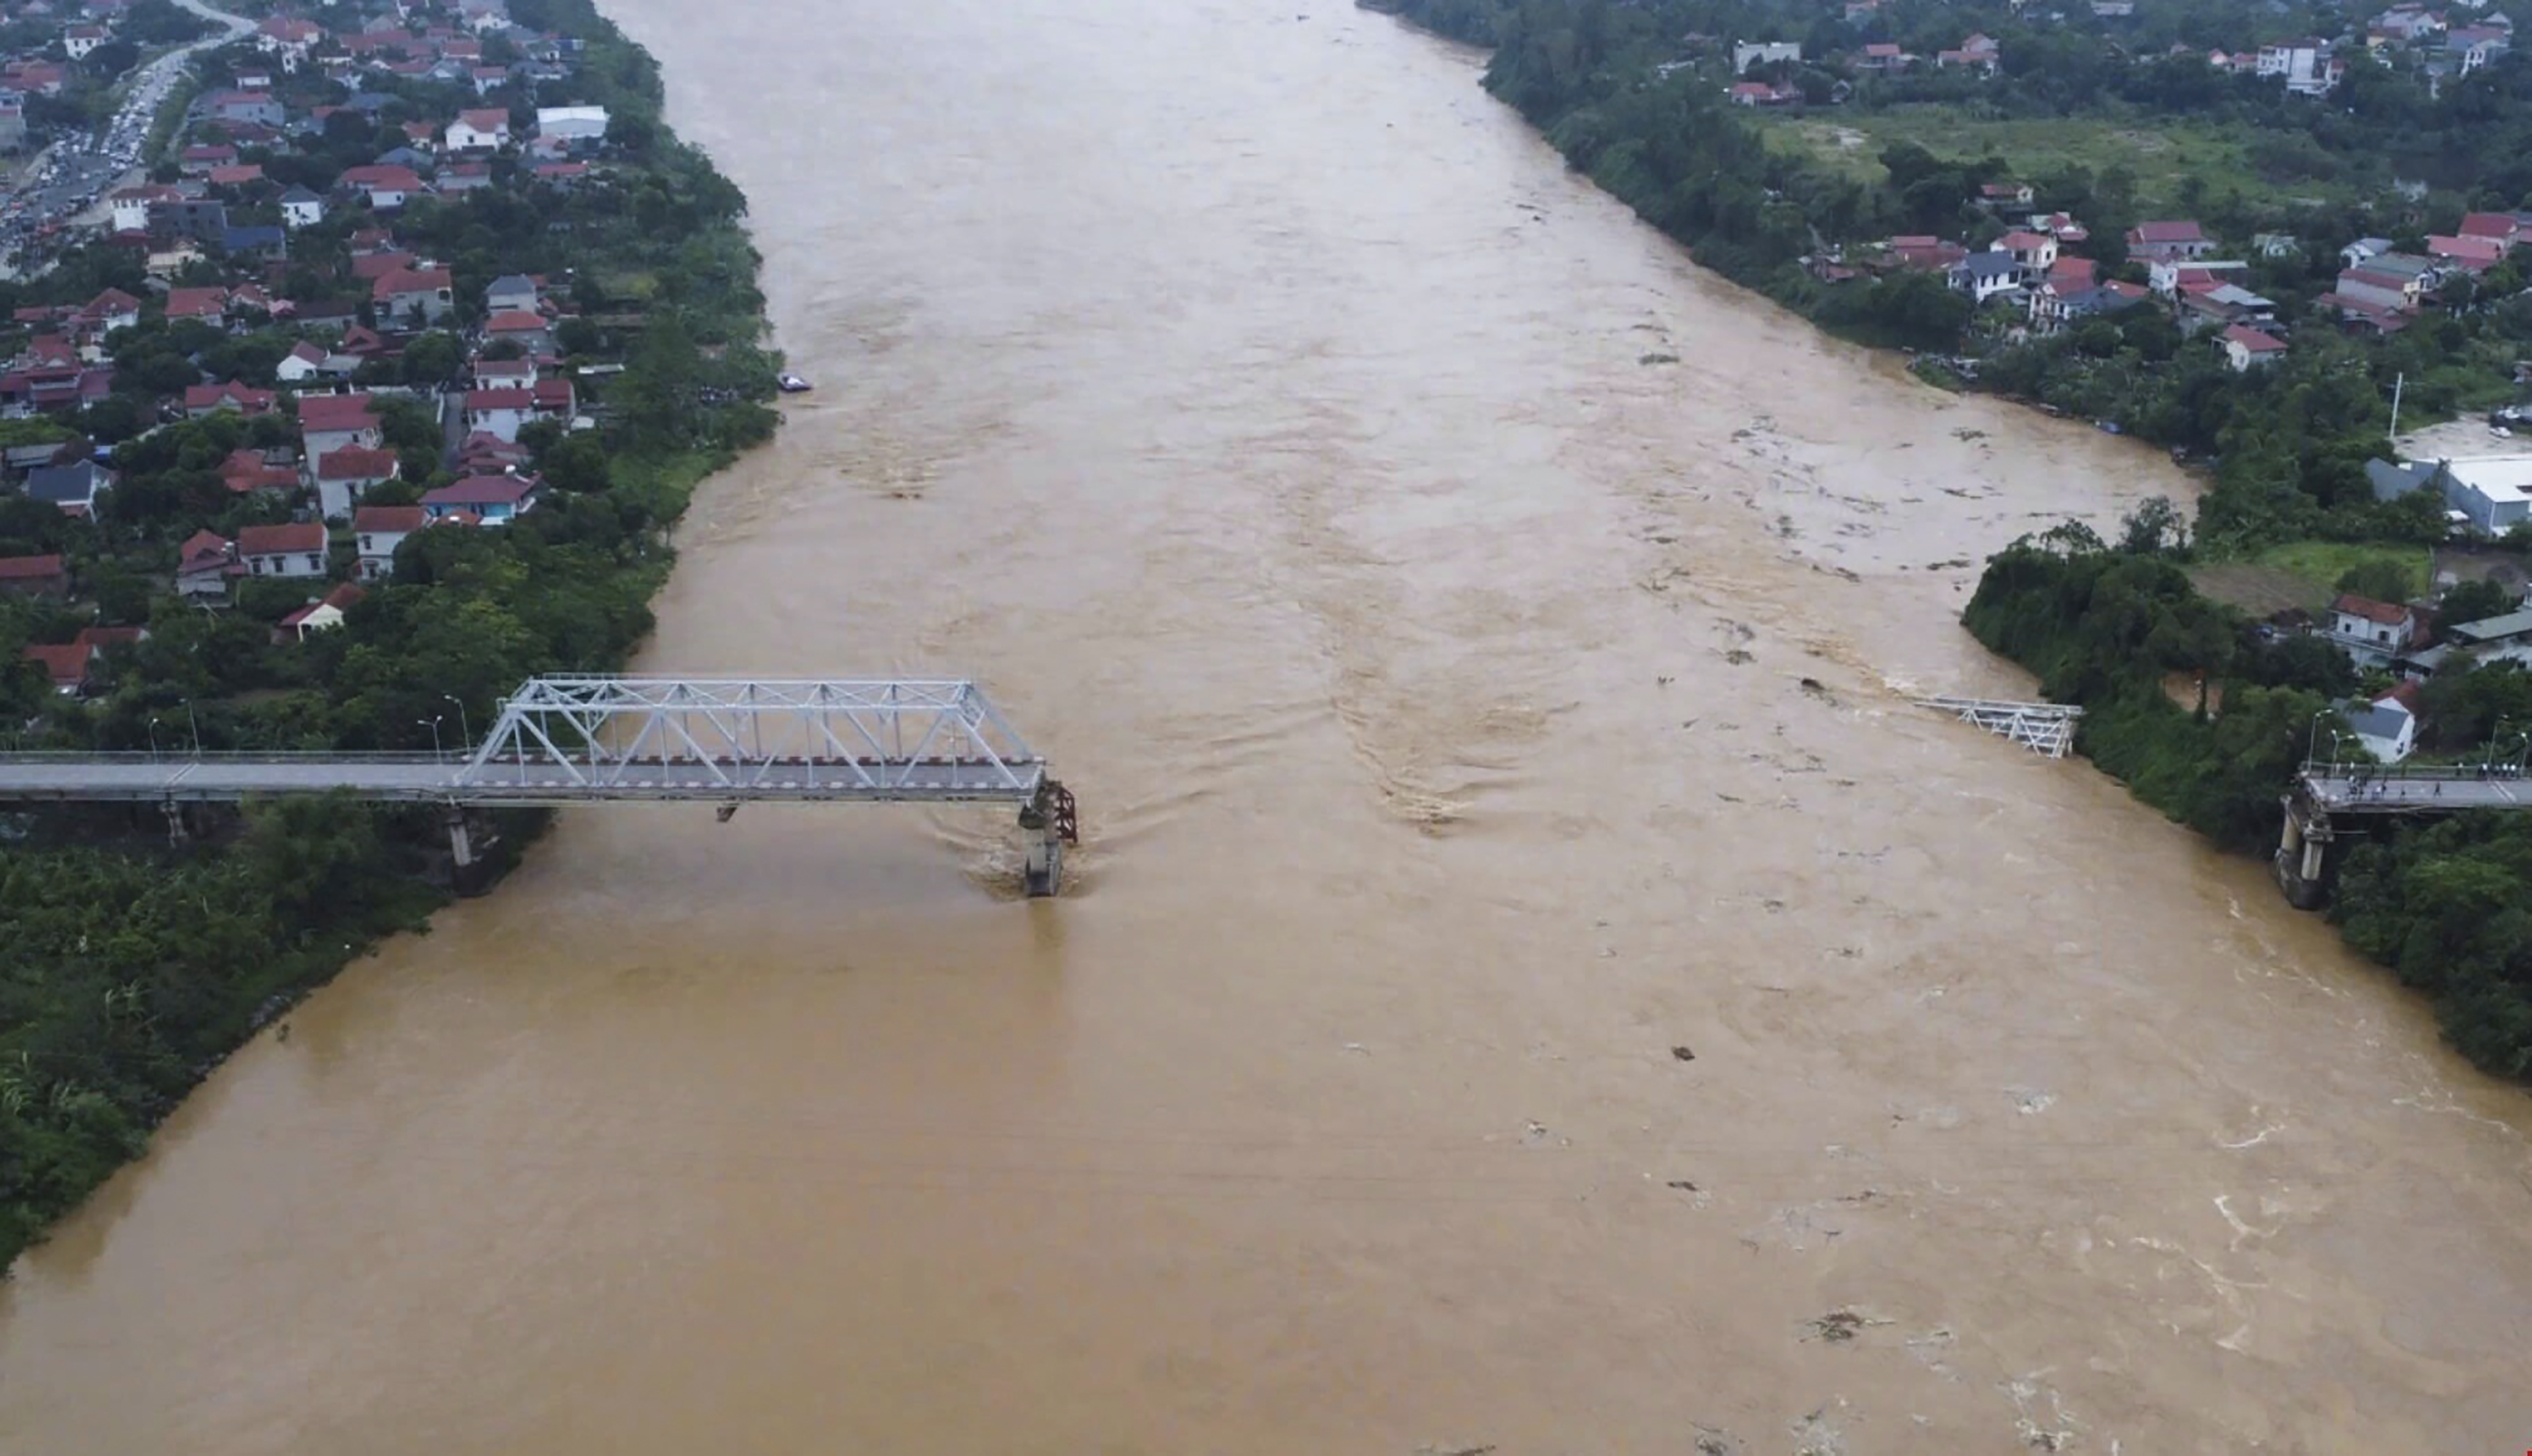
{"x":74,"y":173}
{"x":2341,"y":794}
{"x":144,"y":779}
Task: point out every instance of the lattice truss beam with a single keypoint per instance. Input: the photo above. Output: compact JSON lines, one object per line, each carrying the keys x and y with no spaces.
{"x":878,"y":737}
{"x":2046,"y":728}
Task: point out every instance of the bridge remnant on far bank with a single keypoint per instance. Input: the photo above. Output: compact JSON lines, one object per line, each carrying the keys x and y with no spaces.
{"x":2331,"y":801}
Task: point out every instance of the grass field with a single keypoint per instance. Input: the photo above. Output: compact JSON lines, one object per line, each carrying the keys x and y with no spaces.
{"x":2322,"y":563}
{"x":2261,"y":591}
{"x":2304,"y":574}
{"x":2160,"y":152}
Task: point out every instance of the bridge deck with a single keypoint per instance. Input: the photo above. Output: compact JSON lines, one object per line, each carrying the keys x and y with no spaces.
{"x":2416,"y":792}
{"x":497,"y":783}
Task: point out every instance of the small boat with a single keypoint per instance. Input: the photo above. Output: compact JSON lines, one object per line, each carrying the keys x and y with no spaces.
{"x":794,"y":384}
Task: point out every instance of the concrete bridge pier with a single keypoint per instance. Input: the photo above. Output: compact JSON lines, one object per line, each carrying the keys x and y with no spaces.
{"x":470,"y":870}
{"x":2302,"y":860}
{"x":1050,"y":823}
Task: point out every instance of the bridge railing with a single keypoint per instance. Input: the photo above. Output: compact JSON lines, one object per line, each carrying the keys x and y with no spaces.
{"x":452,"y":757}
{"x":2327,"y":771}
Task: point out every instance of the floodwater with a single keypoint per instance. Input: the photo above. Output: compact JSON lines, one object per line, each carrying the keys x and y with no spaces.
{"x":1468,"y":707}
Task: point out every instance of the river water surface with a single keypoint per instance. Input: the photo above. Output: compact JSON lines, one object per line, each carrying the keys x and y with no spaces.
{"x":1468,"y":707}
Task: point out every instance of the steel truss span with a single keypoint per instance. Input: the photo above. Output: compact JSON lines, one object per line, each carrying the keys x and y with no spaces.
{"x":2044,"y":728}
{"x":564,"y":741}
{"x":740,"y":739}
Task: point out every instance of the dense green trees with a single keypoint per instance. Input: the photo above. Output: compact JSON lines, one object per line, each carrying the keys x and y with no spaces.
{"x":1629,"y":97}
{"x":128,"y":975}
{"x":2206,"y":718}
{"x":2444,"y":908}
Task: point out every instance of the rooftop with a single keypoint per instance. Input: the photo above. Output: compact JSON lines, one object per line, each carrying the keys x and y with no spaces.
{"x":336,"y":412}
{"x":270,"y":540}
{"x":2169,"y":232}
{"x":2254,"y":341}
{"x":2499,"y":478}
{"x":387,"y":518}
{"x":2390,"y":614}
{"x":2491,"y":629}
{"x":29,"y":568}
{"x":483,"y":490}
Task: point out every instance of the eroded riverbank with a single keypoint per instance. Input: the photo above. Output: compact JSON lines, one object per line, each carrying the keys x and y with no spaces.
{"x":1432,"y":671}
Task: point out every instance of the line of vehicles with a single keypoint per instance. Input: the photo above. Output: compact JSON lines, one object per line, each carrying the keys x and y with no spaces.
{"x":76,"y":172}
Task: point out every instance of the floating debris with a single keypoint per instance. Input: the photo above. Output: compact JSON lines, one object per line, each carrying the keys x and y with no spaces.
{"x":1840,"y":1325}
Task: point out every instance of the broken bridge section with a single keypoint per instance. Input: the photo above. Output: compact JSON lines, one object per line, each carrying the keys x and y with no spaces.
{"x":2332,"y":803}
{"x":571,"y":740}
{"x":2044,"y":728}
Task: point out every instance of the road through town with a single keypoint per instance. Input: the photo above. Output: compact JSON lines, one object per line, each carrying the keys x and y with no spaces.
{"x":68,"y":181}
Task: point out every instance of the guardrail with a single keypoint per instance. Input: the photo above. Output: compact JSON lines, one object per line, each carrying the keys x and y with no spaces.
{"x":2413,"y":772}
{"x":143,"y":755}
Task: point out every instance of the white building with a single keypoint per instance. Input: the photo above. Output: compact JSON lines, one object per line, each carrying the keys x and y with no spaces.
{"x":378,"y":531}
{"x":488,"y":130}
{"x":302,"y":208}
{"x":2371,"y":631}
{"x":572,"y":123}
{"x":2304,"y":64}
{"x":1985,"y":275}
{"x":2386,"y":727}
{"x":2246,"y":349}
{"x":283,"y":550}
{"x":1749,"y":53}
{"x":345,"y":476}
{"x":500,"y":413}
{"x":2494,"y":491}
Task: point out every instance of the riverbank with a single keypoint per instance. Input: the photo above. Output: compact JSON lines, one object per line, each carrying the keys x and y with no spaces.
{"x":1643,"y":113}
{"x":2219,"y":776}
{"x":2442,"y":906}
{"x":1289,"y":472}
{"x":134,"y":969}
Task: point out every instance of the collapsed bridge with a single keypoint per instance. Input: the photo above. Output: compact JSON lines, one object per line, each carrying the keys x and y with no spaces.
{"x":564,"y":741}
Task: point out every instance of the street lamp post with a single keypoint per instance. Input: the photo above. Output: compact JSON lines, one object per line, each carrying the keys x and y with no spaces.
{"x":194,"y":726}
{"x":154,"y":738}
{"x":2311,"y":741}
{"x":464,"y":730}
{"x":433,"y":725}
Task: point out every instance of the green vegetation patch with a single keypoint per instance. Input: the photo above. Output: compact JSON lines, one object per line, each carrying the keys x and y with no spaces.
{"x":2324,"y":566}
{"x":2163,"y":153}
{"x":2444,"y":905}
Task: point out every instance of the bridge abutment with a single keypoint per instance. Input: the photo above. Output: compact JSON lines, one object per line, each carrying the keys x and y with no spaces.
{"x":2302,"y":862}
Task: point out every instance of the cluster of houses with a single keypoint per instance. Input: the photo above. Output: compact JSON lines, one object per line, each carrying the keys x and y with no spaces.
{"x":2485,"y":497}
{"x":210,"y":222}
{"x":79,"y":28}
{"x":2440,"y":45}
{"x":1978,"y":54}
{"x":2033,"y":270}
{"x":2448,"y":44}
{"x":222,"y":205}
{"x":2382,"y":290}
{"x":2406,"y":641}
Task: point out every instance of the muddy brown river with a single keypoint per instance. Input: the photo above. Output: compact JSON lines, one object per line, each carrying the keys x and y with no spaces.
{"x":1288,"y":441}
